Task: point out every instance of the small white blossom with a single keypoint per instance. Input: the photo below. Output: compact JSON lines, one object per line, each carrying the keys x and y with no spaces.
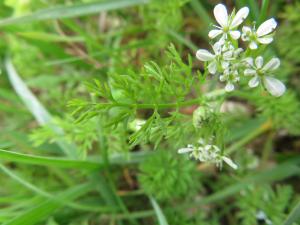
{"x":219,"y":57}
{"x":207,"y":153}
{"x":261,"y":72}
{"x":228,"y":60}
{"x":261,"y":35}
{"x":260,"y":215}
{"x":136,"y":124}
{"x":230,"y":76}
{"x":228,"y":23}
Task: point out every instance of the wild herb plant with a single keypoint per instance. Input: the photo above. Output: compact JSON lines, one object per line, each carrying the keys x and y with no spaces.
{"x":119,"y":118}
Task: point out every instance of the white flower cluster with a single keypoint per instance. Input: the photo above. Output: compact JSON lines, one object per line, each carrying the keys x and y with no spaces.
{"x":230,"y":62}
{"x":207,"y":153}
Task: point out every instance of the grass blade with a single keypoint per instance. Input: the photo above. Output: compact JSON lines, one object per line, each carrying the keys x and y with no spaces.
{"x":276,"y":173}
{"x":71,"y":163}
{"x":47,"y":195}
{"x":159,"y":213}
{"x":294,"y":215}
{"x":182,"y":40}
{"x":36,"y":108}
{"x":48,"y":161}
{"x":201,"y":11}
{"x":43,"y":36}
{"x":61,"y":12}
{"x":263,"y":11}
{"x":48,"y":207}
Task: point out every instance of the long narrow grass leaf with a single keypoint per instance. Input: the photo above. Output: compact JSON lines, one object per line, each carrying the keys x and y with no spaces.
{"x":159,"y":213}
{"x":279,"y":172}
{"x":201,"y":11}
{"x":70,"y":163}
{"x":60,"y":12}
{"x":36,"y":108}
{"x":42,"y":211}
{"x":294,"y":216}
{"x":263,"y":11}
{"x":47,"y":195}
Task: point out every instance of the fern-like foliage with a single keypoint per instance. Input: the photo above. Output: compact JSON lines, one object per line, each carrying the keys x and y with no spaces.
{"x":156,"y":94}
{"x":263,"y":205}
{"x":166,"y":176}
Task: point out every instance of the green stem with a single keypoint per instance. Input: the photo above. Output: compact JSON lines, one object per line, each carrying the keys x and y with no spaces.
{"x":266,"y":126}
{"x":263,"y":11}
{"x":210,"y":95}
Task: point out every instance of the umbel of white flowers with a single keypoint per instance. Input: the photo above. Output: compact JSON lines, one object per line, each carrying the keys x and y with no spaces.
{"x":209,"y":153}
{"x":231,"y":62}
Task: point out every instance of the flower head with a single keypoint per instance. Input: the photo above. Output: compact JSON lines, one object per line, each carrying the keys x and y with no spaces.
{"x":261,"y":73}
{"x":260,"y":36}
{"x":205,"y":152}
{"x":228,"y":23}
{"x":228,"y":61}
{"x":230,"y":76}
{"x":220,"y":57}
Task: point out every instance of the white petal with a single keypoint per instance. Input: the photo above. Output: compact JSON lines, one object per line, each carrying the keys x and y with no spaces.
{"x":229,"y":162}
{"x":245,"y":37}
{"x":246,"y":29}
{"x":266,"y":27}
{"x":240,"y":16}
{"x":221,"y":14}
{"x":235,"y":34}
{"x":229,"y":87}
{"x":254,"y":82}
{"x":204,"y":55}
{"x":225,"y":64}
{"x":273,"y":64}
{"x":259,"y":61}
{"x":238,"y":51}
{"x":212,"y":67}
{"x":214,"y":33}
{"x":265,"y":40}
{"x":222,"y":78}
{"x":217,"y":47}
{"x":274,"y":87}
{"x":253,"y":45}
{"x":228,"y":55}
{"x":249,"y":72}
{"x":185,"y":150}
{"x":249,"y":61}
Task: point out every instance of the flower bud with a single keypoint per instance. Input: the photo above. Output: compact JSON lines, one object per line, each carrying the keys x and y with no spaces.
{"x":201,"y":116}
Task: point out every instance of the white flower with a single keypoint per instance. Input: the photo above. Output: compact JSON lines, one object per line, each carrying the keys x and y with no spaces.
{"x":260,"y":215}
{"x":261,"y":35}
{"x":230,"y":76}
{"x":207,"y":153}
{"x":228,"y":24}
{"x":136,"y":124}
{"x":218,"y":58}
{"x":260,"y":72}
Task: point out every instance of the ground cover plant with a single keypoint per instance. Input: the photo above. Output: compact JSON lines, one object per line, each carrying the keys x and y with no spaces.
{"x":173,"y":112}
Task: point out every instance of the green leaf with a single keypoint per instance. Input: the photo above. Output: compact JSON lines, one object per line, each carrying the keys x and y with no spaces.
{"x":294,"y":215}
{"x":36,"y":108}
{"x":43,"y":36}
{"x":69,"y":11}
{"x":263,"y":11}
{"x":159,"y":213}
{"x":48,"y":207}
{"x":276,"y":173}
{"x":70,"y":163}
{"x":201,"y":11}
{"x":47,"y":195}
{"x":181,"y":39}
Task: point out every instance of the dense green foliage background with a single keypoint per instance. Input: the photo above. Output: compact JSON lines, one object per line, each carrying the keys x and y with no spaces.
{"x":69,"y":157}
